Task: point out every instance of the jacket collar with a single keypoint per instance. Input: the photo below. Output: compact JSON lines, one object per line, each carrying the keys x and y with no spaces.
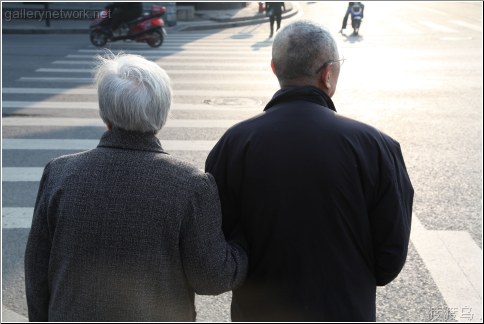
{"x":122,"y":139}
{"x":305,"y":93}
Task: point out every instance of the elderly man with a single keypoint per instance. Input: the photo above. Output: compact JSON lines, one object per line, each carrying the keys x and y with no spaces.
{"x":125,"y":232}
{"x":324,"y":201}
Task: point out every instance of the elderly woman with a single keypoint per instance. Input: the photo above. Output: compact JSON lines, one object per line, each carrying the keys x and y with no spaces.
{"x":125,"y":232}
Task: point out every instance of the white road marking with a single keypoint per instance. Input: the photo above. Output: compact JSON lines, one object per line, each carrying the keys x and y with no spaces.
{"x":94,"y":105}
{"x":253,"y":73}
{"x":97,"y":122}
{"x":184,"y":57}
{"x":166,"y":64}
{"x":406,"y":28}
{"x":185,"y":93}
{"x":9,"y":316}
{"x":21,"y":174}
{"x":182,"y":52}
{"x":455,"y":262}
{"x":268,"y":82}
{"x":216,"y":48}
{"x":466,"y":25}
{"x":79,"y":144}
{"x":437,"y":27}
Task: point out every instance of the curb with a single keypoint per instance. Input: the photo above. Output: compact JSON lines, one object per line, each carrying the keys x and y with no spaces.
{"x":239,"y":23}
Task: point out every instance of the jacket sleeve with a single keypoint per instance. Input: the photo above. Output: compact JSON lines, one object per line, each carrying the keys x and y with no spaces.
{"x":37,"y":257}
{"x":225,"y":164}
{"x":212,"y":265}
{"x":390,"y":215}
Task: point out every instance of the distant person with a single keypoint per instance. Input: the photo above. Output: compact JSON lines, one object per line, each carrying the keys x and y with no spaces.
{"x":274,"y":10}
{"x":126,"y":232}
{"x":122,"y":12}
{"x":360,"y":6}
{"x":324,"y":201}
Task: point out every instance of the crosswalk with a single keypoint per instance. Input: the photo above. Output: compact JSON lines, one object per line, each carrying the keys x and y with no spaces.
{"x":218,"y":80}
{"x":217,"y":75}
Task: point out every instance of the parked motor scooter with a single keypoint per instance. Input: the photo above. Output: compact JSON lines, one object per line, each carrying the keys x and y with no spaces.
{"x":356,"y":17}
{"x":148,"y":28}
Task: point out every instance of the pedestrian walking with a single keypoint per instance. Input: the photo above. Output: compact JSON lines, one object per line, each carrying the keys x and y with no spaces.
{"x":360,"y":7}
{"x":125,"y":232}
{"x":274,"y":12}
{"x":324,"y":201}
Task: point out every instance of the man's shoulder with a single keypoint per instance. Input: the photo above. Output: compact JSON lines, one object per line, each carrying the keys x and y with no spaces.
{"x":247,"y":124}
{"x":355,"y":128}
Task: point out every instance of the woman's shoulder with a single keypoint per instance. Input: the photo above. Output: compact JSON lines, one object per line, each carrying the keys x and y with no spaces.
{"x":185,"y":173}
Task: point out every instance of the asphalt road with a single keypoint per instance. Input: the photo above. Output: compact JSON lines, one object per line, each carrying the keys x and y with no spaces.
{"x":414,"y":72}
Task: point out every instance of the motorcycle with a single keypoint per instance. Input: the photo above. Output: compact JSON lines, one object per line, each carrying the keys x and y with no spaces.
{"x":148,"y":28}
{"x":356,"y":17}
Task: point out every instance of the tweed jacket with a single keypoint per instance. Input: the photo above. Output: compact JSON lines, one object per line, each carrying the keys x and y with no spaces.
{"x":125,"y":232}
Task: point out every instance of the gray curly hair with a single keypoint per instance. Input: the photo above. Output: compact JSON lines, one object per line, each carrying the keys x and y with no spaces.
{"x":134,"y":94}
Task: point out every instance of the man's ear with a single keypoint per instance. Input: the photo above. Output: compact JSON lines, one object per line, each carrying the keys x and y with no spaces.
{"x":326,"y":77}
{"x":273,"y":68}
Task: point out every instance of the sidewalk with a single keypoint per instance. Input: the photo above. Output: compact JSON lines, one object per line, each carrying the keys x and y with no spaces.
{"x":203,"y":20}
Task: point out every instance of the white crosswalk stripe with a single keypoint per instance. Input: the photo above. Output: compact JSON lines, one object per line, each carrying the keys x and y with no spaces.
{"x":187,"y":57}
{"x":97,"y":122}
{"x":93,"y":92}
{"x":406,"y":28}
{"x":17,"y":217}
{"x":467,"y":25}
{"x":11,"y":174}
{"x":263,"y":82}
{"x":168,"y":64}
{"x":263,"y":72}
{"x":437,"y":27}
{"x":83,"y":144}
{"x":94,"y":105}
{"x":204,"y":53}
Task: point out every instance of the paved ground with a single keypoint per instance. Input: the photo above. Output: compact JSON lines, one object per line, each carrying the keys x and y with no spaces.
{"x":415,"y":72}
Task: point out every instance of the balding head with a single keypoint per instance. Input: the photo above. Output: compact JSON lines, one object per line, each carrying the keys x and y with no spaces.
{"x":299,"y":50}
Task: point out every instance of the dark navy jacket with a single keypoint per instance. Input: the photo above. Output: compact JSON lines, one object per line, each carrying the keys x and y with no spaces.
{"x":325,"y":203}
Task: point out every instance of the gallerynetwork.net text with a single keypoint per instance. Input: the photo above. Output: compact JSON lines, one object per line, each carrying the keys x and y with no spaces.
{"x":54,"y":14}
